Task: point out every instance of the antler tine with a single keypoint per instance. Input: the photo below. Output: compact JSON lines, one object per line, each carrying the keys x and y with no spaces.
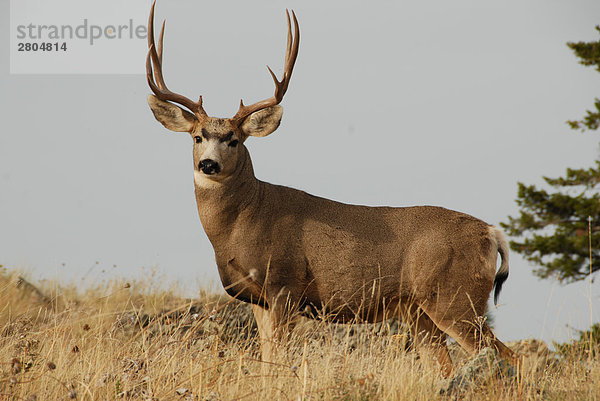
{"x":288,"y":48}
{"x":152,"y":44}
{"x":294,"y":53}
{"x":155,"y":77}
{"x":159,"y":50}
{"x":293,"y":42}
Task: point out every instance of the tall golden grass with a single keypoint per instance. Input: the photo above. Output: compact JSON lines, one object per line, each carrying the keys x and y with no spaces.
{"x":133,"y":340}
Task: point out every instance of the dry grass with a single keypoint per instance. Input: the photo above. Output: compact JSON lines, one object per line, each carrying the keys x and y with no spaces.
{"x":133,"y":341}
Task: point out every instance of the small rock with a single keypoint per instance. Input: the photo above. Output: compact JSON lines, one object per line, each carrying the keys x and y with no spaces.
{"x":478,"y":370}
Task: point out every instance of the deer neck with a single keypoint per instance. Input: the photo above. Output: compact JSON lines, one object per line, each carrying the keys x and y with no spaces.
{"x":223,"y":203}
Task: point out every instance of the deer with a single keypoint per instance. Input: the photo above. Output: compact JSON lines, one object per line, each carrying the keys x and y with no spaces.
{"x":289,"y":253}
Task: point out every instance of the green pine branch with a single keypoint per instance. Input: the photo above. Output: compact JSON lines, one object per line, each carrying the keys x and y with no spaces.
{"x":553,"y":230}
{"x":589,"y":55}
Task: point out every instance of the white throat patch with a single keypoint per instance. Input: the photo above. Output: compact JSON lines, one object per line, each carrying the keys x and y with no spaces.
{"x":203,"y":181}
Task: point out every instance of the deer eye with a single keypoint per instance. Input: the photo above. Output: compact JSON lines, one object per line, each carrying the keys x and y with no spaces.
{"x":233,"y":143}
{"x":198,"y":139}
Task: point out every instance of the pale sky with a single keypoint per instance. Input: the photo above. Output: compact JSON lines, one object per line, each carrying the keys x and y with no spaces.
{"x":392,"y":103}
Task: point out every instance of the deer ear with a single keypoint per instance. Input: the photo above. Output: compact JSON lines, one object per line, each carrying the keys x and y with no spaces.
{"x":171,"y":116}
{"x":263,"y":122}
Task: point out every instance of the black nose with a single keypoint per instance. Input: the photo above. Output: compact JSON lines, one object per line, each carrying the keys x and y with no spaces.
{"x":209,"y":166}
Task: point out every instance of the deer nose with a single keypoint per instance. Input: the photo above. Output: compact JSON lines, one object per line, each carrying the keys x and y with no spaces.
{"x":209,"y":166}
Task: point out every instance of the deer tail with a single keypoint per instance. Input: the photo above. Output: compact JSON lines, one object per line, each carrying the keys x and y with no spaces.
{"x":502,"y":273}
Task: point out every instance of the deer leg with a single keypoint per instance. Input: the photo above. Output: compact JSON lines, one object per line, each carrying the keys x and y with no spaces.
{"x":470,"y":331}
{"x":503,"y":350}
{"x":274,"y":325}
{"x":266,"y":330}
{"x":429,"y":339}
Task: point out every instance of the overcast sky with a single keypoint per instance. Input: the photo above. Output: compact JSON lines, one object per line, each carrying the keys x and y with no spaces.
{"x":392,"y":103}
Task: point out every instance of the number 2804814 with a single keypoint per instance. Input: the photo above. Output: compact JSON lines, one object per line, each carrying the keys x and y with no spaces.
{"x":44,"y":46}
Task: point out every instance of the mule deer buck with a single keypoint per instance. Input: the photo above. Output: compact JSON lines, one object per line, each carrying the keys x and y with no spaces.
{"x":288,"y":252}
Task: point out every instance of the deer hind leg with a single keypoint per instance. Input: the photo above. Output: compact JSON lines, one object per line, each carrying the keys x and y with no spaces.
{"x":466,"y":324}
{"x":428,"y":339}
{"x":503,"y":350}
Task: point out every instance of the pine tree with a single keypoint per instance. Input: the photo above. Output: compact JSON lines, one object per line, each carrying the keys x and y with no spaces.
{"x":554,"y":225}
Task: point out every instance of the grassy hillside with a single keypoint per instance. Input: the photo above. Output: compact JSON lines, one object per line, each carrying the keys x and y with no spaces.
{"x":132,"y":341}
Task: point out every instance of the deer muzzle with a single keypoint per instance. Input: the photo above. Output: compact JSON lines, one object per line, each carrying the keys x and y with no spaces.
{"x":209,"y":167}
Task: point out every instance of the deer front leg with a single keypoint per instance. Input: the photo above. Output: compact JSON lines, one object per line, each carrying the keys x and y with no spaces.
{"x":274,"y":325}
{"x":267,"y":325}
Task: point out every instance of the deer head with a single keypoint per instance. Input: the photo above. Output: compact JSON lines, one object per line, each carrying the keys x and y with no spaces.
{"x":217,"y":141}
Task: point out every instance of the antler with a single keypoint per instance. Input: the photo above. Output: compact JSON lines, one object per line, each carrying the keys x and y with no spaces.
{"x":280,"y":86}
{"x":159,"y":87}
